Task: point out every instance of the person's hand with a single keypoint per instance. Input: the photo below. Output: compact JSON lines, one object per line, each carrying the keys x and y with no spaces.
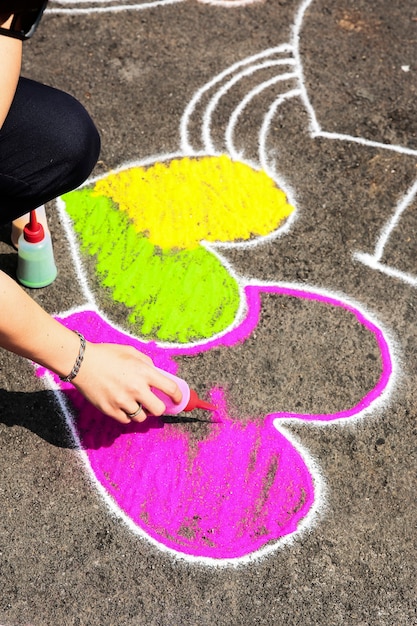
{"x":117,"y":379}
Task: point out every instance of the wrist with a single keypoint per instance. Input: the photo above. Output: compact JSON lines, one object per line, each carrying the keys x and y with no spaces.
{"x":78,"y":361}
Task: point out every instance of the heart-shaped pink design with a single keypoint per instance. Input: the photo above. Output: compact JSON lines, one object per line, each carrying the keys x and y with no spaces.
{"x":240,"y":489}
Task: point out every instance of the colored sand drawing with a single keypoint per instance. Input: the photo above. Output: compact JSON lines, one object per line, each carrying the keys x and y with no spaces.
{"x":150,"y":233}
{"x":174,"y":295}
{"x":240,"y":489}
{"x":187,"y":200}
{"x":144,"y":227}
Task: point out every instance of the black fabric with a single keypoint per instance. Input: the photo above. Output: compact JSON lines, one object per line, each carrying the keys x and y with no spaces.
{"x":48,"y":146}
{"x":19,"y":6}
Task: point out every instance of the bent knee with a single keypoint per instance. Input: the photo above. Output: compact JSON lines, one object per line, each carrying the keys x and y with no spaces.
{"x":80,"y":149}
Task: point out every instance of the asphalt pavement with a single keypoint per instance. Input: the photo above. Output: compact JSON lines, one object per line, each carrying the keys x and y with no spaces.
{"x":250,"y":226}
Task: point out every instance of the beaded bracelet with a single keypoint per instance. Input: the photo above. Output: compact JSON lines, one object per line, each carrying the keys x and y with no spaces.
{"x":78,"y":361}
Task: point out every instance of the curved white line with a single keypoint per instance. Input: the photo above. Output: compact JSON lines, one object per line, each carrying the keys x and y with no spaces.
{"x":392,"y":223}
{"x":72,"y":2}
{"x":208,"y":144}
{"x":112,"y":9}
{"x":314,"y":468}
{"x":374,"y":260}
{"x":394,"y":348}
{"x":265,"y":128}
{"x":243,"y":104}
{"x":314,"y":126}
{"x":74,"y":250}
{"x":230,"y":4}
{"x":184,"y":135}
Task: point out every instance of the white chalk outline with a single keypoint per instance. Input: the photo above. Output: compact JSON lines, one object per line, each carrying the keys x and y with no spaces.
{"x":320,"y":488}
{"x":316,"y":129}
{"x":107,"y":9}
{"x":207,"y":121}
{"x":320,"y":491}
{"x":233,"y":74}
{"x":222,"y":83}
{"x":59,"y":6}
{"x":250,"y":65}
{"x":231,"y":3}
{"x":213,"y":247}
{"x":373,"y":261}
{"x":304,"y":526}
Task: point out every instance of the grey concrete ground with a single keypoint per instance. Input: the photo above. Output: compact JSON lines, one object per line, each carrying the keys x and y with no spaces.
{"x":65,"y":559}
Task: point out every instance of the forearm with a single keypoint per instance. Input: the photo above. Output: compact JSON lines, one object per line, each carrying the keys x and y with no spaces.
{"x":115,"y":378}
{"x":11,"y":58}
{"x":28,"y":330}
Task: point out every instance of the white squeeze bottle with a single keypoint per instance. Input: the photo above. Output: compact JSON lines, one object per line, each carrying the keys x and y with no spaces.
{"x":35,"y":260}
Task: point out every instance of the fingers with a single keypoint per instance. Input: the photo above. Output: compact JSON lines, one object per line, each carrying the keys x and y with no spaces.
{"x":138,"y":415}
{"x":144,"y":357}
{"x":149,"y":403}
{"x":121,"y":382}
{"x":135,"y":413}
{"x":166,"y":384}
{"x":155,"y":379}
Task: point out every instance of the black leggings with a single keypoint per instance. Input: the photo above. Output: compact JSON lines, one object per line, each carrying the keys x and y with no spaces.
{"x":48,"y":146}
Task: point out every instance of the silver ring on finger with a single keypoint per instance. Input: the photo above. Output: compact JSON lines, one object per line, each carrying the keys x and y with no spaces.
{"x":136,"y":413}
